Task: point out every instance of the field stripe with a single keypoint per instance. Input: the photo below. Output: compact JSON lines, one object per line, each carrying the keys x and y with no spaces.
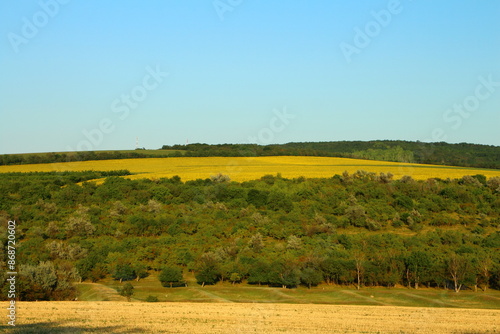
{"x":244,"y":169}
{"x":368,"y":299}
{"x":101,"y":291}
{"x":212,"y":295}
{"x":430,"y":300}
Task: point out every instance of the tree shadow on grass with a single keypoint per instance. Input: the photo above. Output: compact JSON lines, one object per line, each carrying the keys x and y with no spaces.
{"x":60,"y":328}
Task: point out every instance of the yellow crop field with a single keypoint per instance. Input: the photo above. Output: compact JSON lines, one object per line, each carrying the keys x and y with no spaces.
{"x":244,"y":169}
{"x":134,"y":317}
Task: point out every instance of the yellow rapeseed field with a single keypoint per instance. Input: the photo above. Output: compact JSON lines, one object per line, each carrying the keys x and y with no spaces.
{"x":134,"y":317}
{"x":244,"y":169}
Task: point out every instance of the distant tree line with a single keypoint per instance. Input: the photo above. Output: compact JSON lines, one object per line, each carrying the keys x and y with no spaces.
{"x":43,"y":158}
{"x":441,"y":153}
{"x":465,"y":155}
{"x":360,"y":229}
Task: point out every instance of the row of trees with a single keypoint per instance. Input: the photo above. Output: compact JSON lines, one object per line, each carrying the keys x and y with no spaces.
{"x":463,"y":154}
{"x":44,"y":158}
{"x":453,"y":269}
{"x":470,"y":268}
{"x":441,"y":153}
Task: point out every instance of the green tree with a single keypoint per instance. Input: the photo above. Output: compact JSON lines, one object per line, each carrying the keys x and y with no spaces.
{"x":235,"y":277}
{"x":284,"y":273}
{"x":337,"y":270}
{"x":80,"y":225}
{"x":124,"y":272}
{"x":207,"y":274}
{"x":140,"y":270}
{"x":356,"y":215}
{"x":418,"y":264}
{"x":127,"y":291}
{"x":170,"y":276}
{"x":208,"y":269}
{"x":258,"y":273}
{"x":257,"y":197}
{"x":485,"y":267}
{"x":278,"y":200}
{"x":458,"y":267}
{"x":98,"y":272}
{"x":311,"y":277}
{"x":359,"y":264}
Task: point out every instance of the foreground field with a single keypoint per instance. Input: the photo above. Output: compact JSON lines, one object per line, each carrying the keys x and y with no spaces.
{"x":244,"y":169}
{"x":125,"y":317}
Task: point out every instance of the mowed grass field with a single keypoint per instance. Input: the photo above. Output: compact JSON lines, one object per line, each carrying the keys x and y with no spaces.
{"x":106,"y":290}
{"x":132,"y":317}
{"x":244,"y":169}
{"x":226,"y":308}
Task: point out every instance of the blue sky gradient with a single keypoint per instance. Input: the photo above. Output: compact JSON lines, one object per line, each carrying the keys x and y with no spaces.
{"x":427,"y":71}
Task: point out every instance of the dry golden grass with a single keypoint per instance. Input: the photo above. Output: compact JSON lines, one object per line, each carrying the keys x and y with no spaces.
{"x":244,"y":169}
{"x":124,"y":317}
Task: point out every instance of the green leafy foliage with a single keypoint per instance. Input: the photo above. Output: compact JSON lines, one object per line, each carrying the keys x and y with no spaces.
{"x":127,"y":291}
{"x":352,"y":229}
{"x":170,"y":276}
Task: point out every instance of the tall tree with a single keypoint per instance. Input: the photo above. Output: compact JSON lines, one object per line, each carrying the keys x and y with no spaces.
{"x":171,"y":276}
{"x":359,"y":258}
{"x":417,"y":264}
{"x":310,"y":277}
{"x":457,"y":266}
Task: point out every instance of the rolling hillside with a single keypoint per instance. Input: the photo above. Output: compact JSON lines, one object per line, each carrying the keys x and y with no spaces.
{"x":249,"y":168}
{"x":463,"y":154}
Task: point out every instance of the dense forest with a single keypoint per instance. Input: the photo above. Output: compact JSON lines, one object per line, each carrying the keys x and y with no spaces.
{"x":465,"y":155}
{"x":441,"y":153}
{"x":356,"y":229}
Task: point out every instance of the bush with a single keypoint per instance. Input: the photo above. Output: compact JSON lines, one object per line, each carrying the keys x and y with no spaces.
{"x":127,"y":291}
{"x":152,"y":299}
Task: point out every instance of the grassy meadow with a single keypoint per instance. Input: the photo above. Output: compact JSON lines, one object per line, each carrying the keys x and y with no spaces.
{"x":106,"y":290}
{"x":249,"y":168}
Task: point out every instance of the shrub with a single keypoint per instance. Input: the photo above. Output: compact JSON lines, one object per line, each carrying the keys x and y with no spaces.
{"x":152,"y":299}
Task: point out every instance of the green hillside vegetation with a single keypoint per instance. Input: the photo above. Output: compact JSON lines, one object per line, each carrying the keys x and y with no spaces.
{"x":360,"y":230}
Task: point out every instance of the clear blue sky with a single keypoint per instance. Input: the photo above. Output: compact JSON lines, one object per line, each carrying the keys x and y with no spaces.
{"x":67,"y":68}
